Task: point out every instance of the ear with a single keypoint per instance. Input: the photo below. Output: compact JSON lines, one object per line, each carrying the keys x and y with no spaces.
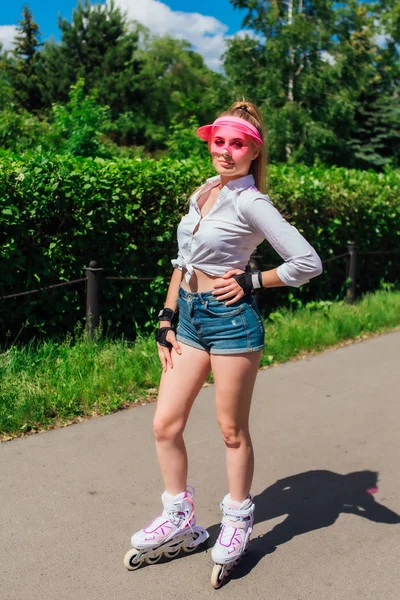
{"x":256,"y":150}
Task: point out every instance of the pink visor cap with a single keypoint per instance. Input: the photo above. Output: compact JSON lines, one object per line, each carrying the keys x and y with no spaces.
{"x":237,"y":123}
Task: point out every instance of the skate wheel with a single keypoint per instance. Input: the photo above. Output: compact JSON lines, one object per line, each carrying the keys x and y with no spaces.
{"x":152,"y":560}
{"x":172,"y":553}
{"x":129,"y":560}
{"x":189,"y":549}
{"x":217,"y":576}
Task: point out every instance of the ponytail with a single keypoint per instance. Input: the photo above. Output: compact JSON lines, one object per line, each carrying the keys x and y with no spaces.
{"x":249,"y":112}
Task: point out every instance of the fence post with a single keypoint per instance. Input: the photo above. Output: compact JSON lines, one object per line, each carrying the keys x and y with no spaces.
{"x":93,"y":275}
{"x":254,"y":266}
{"x":351,"y":289}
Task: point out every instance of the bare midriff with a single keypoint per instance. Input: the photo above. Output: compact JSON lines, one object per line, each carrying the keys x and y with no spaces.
{"x":199,"y":282}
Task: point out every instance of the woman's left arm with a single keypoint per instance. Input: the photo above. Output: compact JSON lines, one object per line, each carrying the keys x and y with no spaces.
{"x":301,"y":260}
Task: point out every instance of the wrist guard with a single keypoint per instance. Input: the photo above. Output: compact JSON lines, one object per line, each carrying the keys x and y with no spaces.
{"x":249,"y":281}
{"x":167,"y":314}
{"x":161,"y":336}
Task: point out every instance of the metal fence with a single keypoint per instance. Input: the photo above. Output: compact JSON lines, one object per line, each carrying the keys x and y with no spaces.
{"x":94,"y":277}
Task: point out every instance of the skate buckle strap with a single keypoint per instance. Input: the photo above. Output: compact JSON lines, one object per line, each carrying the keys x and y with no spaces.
{"x":241,"y":514}
{"x":237,"y":524}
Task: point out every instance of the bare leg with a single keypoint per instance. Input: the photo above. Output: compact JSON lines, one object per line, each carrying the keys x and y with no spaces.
{"x":234,"y":377}
{"x":178,"y":389}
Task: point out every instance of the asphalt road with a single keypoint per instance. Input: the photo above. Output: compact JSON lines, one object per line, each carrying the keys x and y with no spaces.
{"x":326,"y":486}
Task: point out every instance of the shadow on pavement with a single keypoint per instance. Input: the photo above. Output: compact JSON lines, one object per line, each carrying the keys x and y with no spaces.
{"x":310,"y":501}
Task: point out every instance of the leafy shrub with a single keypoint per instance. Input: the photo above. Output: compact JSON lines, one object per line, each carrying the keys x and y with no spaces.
{"x":333,"y":207}
{"x":183,"y":141}
{"x":79,"y":124}
{"x":77,"y":127}
{"x":59,"y":212}
{"x":20,"y":130}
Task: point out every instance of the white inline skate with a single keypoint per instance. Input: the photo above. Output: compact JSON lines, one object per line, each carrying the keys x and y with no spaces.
{"x":172,"y":531}
{"x":232,"y":542}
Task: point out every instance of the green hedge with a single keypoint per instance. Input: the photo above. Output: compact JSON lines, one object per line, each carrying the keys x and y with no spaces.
{"x":333,"y":207}
{"x":57,"y":213}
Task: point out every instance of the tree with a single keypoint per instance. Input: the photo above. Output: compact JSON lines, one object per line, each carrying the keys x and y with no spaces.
{"x":371,"y":70}
{"x":6,"y":91}
{"x":314,"y":65}
{"x":79,"y":125}
{"x":295,"y":36}
{"x":245,"y":66}
{"x":377,"y":139}
{"x":97,"y":46}
{"x":25,"y":67}
{"x":146,"y":81}
{"x":389,"y":13}
{"x":177,"y":86}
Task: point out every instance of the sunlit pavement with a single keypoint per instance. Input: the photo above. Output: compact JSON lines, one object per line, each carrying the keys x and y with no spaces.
{"x":327,"y":488}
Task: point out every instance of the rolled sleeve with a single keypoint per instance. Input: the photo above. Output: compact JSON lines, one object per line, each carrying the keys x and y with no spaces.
{"x":302,"y":263}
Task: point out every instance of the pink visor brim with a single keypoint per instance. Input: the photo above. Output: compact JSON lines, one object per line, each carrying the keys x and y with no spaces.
{"x":205,"y":132}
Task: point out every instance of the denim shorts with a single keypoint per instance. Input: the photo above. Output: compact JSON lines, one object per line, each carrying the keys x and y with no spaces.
{"x":208,"y":324}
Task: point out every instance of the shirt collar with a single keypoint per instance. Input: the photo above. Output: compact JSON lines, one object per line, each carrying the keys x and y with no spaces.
{"x":242,"y":183}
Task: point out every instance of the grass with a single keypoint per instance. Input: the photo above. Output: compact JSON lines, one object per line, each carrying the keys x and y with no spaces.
{"x":321,"y":325}
{"x":49,"y":384}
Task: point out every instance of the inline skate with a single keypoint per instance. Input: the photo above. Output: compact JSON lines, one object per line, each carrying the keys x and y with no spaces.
{"x":232,"y":542}
{"x":169,"y":533}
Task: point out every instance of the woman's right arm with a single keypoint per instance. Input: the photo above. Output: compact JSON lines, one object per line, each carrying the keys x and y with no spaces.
{"x":171,"y":301}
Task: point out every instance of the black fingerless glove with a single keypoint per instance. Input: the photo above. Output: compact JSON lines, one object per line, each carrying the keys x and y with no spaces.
{"x":249,"y":281}
{"x":161,"y":336}
{"x":167,"y":314}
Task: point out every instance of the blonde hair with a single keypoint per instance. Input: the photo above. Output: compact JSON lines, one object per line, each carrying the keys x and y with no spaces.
{"x":249,"y":112}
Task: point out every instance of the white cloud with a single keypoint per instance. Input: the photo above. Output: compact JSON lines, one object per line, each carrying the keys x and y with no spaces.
{"x":327,"y":57}
{"x":381,"y":38}
{"x":7,"y":34}
{"x":206,"y":34}
{"x":243,"y":33}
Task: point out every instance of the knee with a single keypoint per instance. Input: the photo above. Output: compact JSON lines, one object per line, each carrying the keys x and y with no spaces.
{"x":166,"y":430}
{"x":233,"y":435}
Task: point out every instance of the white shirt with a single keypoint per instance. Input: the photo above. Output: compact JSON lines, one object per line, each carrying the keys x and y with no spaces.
{"x":241,"y":218}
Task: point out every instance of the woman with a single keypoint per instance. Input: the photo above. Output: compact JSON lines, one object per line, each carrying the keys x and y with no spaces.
{"x":220,"y":329}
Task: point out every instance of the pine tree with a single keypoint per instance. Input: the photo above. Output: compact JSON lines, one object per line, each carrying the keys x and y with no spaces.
{"x":146,"y":81}
{"x":97,"y":46}
{"x":6,"y":91}
{"x":377,"y":139}
{"x":24,"y":70}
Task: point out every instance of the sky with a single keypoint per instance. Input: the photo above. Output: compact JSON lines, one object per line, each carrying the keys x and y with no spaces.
{"x":206,"y":24}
